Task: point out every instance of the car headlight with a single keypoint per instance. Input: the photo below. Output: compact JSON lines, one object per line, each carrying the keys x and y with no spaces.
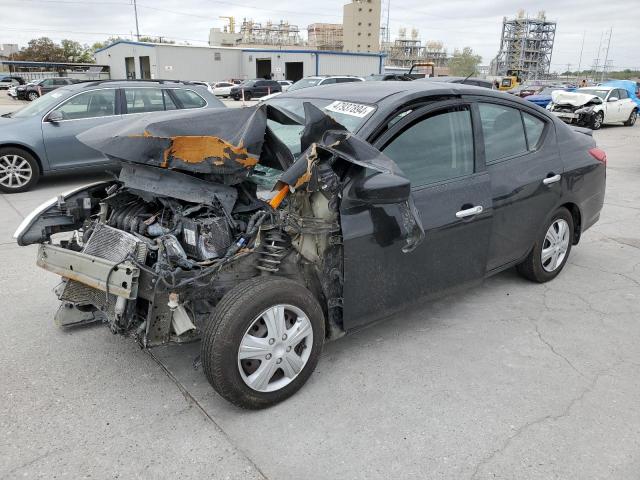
{"x":585,"y":110}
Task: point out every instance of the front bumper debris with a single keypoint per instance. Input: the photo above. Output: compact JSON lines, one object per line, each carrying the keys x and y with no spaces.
{"x":117,"y":278}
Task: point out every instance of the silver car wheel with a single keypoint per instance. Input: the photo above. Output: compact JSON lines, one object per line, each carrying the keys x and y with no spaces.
{"x":15,"y":171}
{"x":33,"y":96}
{"x":632,"y":119}
{"x":275,"y":348}
{"x":555,"y":246}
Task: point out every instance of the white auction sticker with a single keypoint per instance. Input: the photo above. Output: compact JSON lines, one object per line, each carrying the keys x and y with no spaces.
{"x":189,"y":236}
{"x":348,"y":108}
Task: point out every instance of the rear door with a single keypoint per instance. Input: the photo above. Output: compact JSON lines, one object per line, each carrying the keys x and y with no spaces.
{"x":521,"y":156}
{"x":435,"y":148}
{"x":626,"y":104}
{"x":80,"y":113}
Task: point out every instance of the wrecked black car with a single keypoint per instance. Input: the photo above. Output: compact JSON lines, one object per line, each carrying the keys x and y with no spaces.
{"x":265,"y":231}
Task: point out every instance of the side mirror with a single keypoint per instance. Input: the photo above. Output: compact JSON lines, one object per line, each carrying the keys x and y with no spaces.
{"x":612,"y":99}
{"x":55,"y":117}
{"x":383,"y":188}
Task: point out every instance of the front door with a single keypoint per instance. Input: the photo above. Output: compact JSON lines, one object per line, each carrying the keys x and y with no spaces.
{"x":80,"y":113}
{"x":435,"y":149}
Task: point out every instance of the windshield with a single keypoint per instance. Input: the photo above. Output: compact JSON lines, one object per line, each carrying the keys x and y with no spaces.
{"x":42,"y":104}
{"x":247,"y":83}
{"x":592,"y":91}
{"x":304,"y":83}
{"x":351,"y":115}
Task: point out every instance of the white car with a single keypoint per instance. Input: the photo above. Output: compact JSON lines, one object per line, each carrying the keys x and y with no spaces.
{"x":315,"y":81}
{"x":285,"y":84}
{"x":222,"y":89}
{"x":594,"y":106}
{"x":12,"y":92}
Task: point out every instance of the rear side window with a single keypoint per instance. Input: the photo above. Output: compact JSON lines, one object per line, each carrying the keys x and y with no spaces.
{"x":436,"y":148}
{"x":622,"y":94}
{"x":141,"y":100}
{"x":327,"y":81}
{"x":503,"y":132}
{"x":533,"y":127}
{"x":189,"y":98}
{"x":98,"y":103}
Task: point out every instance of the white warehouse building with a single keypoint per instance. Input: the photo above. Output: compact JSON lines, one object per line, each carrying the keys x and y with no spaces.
{"x":138,"y":60}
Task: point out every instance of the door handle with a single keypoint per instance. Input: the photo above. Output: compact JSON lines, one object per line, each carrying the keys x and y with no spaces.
{"x":550,"y":180}
{"x":469,"y":212}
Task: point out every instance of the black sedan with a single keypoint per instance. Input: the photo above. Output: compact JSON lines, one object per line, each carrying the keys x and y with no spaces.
{"x":34,"y":90}
{"x":382,"y":196}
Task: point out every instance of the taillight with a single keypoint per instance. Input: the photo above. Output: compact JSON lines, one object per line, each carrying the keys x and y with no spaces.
{"x":598,"y":154}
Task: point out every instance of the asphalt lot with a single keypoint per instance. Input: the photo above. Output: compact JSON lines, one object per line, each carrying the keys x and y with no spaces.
{"x":509,"y":380}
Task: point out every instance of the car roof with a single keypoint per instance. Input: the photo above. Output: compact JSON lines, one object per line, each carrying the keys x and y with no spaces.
{"x":599,"y":87}
{"x":143,"y":83}
{"x":377,"y":91}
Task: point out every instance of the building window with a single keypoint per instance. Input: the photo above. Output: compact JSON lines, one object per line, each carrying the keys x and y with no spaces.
{"x":359,"y":33}
{"x":358,"y":45}
{"x":368,"y":34}
{"x":360,"y":23}
{"x":371,"y":9}
{"x":216,"y":56}
{"x":368,"y":46}
{"x":359,"y":9}
{"x":369,"y":23}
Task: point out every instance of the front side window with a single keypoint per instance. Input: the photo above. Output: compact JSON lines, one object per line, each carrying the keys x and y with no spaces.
{"x":46,"y":83}
{"x":436,"y":148}
{"x":141,"y":100}
{"x":189,"y":98}
{"x":503,"y":132}
{"x":98,"y":103}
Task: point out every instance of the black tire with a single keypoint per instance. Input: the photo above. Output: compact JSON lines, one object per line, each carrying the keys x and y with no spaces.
{"x":247,"y":95}
{"x":597,"y":120}
{"x":632,"y":118}
{"x":532,"y":267}
{"x":233,"y":316}
{"x":31,"y":96}
{"x":23,"y":154}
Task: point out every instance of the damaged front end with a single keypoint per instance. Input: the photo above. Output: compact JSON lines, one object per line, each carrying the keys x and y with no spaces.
{"x":575,"y":108}
{"x":152,"y":252}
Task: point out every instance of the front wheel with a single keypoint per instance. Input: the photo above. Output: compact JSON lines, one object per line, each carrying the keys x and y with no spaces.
{"x":633,"y":116}
{"x":550,"y":252}
{"x":596,"y":123}
{"x":32,"y":96}
{"x":19,"y":171}
{"x":263,"y":341}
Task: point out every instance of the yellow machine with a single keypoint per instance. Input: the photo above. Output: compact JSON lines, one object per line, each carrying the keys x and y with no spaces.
{"x":512,"y":80}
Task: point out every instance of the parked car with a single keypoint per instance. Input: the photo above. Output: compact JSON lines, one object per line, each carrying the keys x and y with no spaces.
{"x":594,"y":106}
{"x":384,"y":196}
{"x":543,"y":97}
{"x":9,"y":81}
{"x":317,"y":80}
{"x":386,"y":77}
{"x":525,"y":90}
{"x":285,"y":84}
{"x":40,"y":138}
{"x":255,"y":88}
{"x":222,"y":89}
{"x":11,"y":91}
{"x":33,"y":90}
{"x":478,"y":82}
{"x":630,"y":86}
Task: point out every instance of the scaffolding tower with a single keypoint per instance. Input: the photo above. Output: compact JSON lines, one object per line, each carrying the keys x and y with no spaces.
{"x":526,"y":46}
{"x":325,"y":36}
{"x":404,"y":52}
{"x":281,"y":33}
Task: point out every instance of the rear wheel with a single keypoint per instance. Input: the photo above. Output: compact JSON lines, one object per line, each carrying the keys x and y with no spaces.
{"x":596,"y":123}
{"x":19,"y":171}
{"x":247,"y":95}
{"x":32,"y":96}
{"x":263,"y":341}
{"x":550,"y":252}
{"x":633,"y":116}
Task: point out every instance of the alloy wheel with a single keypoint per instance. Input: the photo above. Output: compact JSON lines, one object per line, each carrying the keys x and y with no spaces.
{"x":634,"y":116}
{"x":555,"y":246}
{"x":15,"y":171}
{"x":33,"y":96}
{"x":275,"y":348}
{"x":597,"y":121}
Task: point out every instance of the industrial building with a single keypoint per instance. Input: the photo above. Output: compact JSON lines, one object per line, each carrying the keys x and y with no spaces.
{"x":361,"y":26}
{"x":142,"y":60}
{"x":526,"y":46}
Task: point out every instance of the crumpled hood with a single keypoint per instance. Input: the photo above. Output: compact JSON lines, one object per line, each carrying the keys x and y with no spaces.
{"x":573,"y":98}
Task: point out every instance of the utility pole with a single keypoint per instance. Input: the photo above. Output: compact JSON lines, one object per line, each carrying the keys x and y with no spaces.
{"x":606,"y":56}
{"x":581,"y":50}
{"x":135,"y":10}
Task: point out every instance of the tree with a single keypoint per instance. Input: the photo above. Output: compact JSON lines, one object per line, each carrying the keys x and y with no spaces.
{"x":464,"y":63}
{"x":106,"y":43}
{"x":41,"y":49}
{"x":156,"y":40}
{"x":75,"y":52}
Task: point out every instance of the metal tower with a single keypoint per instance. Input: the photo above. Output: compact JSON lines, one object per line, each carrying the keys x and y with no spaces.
{"x":526,"y":46}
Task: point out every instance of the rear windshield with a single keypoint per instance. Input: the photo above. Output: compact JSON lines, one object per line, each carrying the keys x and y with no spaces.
{"x":351,"y":115}
{"x":304,"y":83}
{"x":42,"y":104}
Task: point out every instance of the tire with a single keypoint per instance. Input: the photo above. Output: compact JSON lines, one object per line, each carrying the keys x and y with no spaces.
{"x":538,"y":269}
{"x":23,"y":164}
{"x":596,"y":123}
{"x":31,"y":96}
{"x":633,"y":116}
{"x":247,"y":96}
{"x":244,"y":310}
